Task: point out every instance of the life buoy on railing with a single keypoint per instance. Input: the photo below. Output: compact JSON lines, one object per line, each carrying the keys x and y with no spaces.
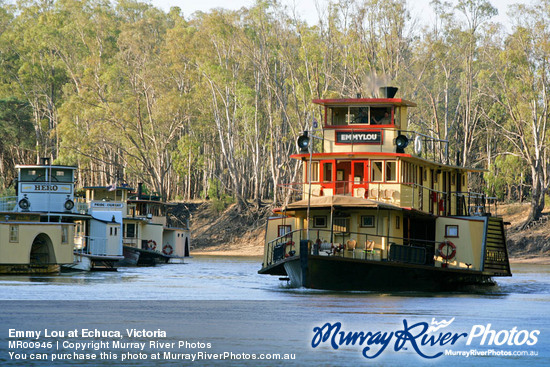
{"x":167,"y":249}
{"x":152,"y":245}
{"x":447,"y":255}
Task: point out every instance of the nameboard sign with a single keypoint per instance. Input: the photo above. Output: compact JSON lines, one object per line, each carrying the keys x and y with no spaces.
{"x":102,"y":204}
{"x":49,"y":188}
{"x":359,"y":137}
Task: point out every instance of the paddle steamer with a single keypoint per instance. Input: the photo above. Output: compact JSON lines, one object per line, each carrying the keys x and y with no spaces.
{"x":382,"y":208}
{"x":36,"y":225}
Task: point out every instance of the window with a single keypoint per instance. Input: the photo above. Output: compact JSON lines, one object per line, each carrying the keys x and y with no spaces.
{"x":364,"y":115}
{"x":452,"y":179}
{"x":327,"y":172}
{"x":391,"y":171}
{"x":110,"y":231}
{"x":341,"y":224}
{"x":377,"y":167}
{"x":451,"y":230}
{"x":314,"y":172}
{"x":14,"y":233}
{"x":367,"y":221}
{"x":130,"y":230}
{"x":64,"y":234}
{"x":284,"y":230}
{"x":397,"y":222}
{"x":319,"y":222}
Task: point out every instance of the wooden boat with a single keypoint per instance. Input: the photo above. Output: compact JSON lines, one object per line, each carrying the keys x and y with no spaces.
{"x":382,"y":208}
{"x":36,"y":229}
{"x":98,"y":235}
{"x":150,"y":237}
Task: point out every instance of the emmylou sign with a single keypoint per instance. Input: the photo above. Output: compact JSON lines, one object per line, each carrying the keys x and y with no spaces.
{"x":359,"y":137}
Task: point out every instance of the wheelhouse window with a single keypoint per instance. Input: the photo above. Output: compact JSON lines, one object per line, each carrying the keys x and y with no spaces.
{"x":359,"y":115}
{"x":62,"y":175}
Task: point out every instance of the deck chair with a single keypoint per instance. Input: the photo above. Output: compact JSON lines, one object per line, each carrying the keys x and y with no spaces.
{"x":350,"y":247}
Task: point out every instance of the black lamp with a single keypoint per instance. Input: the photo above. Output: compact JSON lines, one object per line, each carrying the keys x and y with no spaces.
{"x":303,"y":142}
{"x":402,"y":142}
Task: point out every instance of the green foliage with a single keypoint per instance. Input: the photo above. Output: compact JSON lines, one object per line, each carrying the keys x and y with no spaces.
{"x":219,"y":200}
{"x":507,"y":172}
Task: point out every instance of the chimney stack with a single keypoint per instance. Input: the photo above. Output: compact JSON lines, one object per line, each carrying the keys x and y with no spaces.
{"x":388,"y":92}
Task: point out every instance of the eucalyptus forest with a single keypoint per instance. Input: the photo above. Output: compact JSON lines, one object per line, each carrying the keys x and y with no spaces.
{"x":210,"y":104}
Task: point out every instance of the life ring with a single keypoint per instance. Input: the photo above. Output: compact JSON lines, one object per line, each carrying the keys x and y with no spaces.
{"x":152,"y":245}
{"x":167,"y":249}
{"x":447,"y":255}
{"x":441,"y":205}
{"x":418,"y":145}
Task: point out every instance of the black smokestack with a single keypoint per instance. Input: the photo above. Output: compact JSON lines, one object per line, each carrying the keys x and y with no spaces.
{"x":388,"y":92}
{"x":140,"y":190}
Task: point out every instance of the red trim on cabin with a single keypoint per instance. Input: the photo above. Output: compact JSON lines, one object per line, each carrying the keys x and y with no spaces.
{"x":360,"y":127}
{"x":391,"y":101}
{"x":350,"y":154}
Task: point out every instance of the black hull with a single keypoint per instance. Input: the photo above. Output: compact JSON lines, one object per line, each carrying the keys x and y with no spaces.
{"x":345,"y":274}
{"x":134,"y":256}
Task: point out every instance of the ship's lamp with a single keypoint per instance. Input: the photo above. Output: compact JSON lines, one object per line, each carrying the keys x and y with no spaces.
{"x":401,"y":142}
{"x":303,"y":142}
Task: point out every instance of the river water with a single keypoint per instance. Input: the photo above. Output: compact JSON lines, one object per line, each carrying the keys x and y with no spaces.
{"x":219,"y":307}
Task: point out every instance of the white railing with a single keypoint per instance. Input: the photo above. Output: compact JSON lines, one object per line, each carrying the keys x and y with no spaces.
{"x":91,"y":245}
{"x":8,"y":203}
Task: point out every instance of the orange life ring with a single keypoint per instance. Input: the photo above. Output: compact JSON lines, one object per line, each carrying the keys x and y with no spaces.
{"x":167,"y":249}
{"x":152,"y":245}
{"x":447,"y":255}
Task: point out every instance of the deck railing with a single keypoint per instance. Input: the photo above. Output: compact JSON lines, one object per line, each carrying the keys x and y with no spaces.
{"x":357,"y":245}
{"x":407,"y":195}
{"x":91,"y":245}
{"x":8,"y":203}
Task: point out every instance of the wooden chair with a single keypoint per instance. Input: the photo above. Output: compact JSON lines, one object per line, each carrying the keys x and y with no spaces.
{"x":350,"y":247}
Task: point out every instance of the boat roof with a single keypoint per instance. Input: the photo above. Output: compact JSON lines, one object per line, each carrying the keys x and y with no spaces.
{"x":364,"y":101}
{"x":43,"y":166}
{"x":339,"y":201}
{"x":108,"y":188}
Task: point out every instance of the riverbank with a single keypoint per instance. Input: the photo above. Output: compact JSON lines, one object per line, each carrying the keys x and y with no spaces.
{"x":229,"y":233}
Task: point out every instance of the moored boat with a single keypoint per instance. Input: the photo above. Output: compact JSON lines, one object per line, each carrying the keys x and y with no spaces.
{"x":36,"y":229}
{"x":382,"y":208}
{"x":150,"y":236}
{"x":98,"y":235}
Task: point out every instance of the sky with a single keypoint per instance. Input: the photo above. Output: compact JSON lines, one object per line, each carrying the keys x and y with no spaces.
{"x":306,"y":9}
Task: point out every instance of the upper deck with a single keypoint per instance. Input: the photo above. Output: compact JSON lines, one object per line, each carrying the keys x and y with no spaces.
{"x":45,"y":188}
{"x":366,"y":150}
